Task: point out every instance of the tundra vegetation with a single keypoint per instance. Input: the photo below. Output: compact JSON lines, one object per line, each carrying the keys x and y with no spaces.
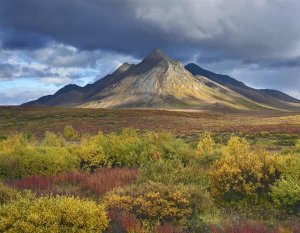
{"x":147,"y":182}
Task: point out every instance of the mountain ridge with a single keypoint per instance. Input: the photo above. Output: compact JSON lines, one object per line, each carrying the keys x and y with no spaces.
{"x":261,"y":95}
{"x":160,"y":82}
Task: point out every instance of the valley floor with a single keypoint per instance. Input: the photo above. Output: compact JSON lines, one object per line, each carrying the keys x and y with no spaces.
{"x":37,"y":120}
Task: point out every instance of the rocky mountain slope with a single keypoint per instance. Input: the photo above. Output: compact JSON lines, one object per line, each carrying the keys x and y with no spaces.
{"x":160,"y":82}
{"x":267,"y":96}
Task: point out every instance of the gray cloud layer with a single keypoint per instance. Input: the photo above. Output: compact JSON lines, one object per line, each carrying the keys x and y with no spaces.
{"x":246,"y":37}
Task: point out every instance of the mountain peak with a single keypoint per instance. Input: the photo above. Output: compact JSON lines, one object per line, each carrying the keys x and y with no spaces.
{"x":158,"y":52}
{"x":156,"y":56}
{"x":159,"y":82}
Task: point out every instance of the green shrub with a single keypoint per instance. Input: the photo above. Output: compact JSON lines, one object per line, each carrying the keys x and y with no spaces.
{"x":123,"y":149}
{"x":128,"y":148}
{"x":286,"y":192}
{"x":7,"y":194}
{"x":165,"y":145}
{"x":69,"y":133}
{"x":53,"y":140}
{"x":173,"y":172}
{"x":52,"y":214}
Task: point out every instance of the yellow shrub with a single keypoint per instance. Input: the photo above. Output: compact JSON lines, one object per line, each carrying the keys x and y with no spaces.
{"x":241,"y":172}
{"x":20,"y":157}
{"x":91,"y":155}
{"x":153,"y":203}
{"x":52,"y":214}
{"x":52,"y":139}
{"x":298,"y":144}
{"x":70,"y":133}
{"x":7,"y":194}
{"x":206,"y":145}
{"x":12,"y":145}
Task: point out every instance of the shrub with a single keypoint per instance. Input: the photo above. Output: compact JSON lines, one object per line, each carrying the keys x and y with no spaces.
{"x":188,"y":207}
{"x":20,"y":157}
{"x":173,"y":172}
{"x":12,"y":145}
{"x":242,"y":172}
{"x":206,"y":151}
{"x":245,"y":227}
{"x":69,"y":133}
{"x":124,"y":149}
{"x":297,"y":144}
{"x":153,"y":203}
{"x":53,"y":140}
{"x":286,"y":192}
{"x":78,"y":183}
{"x":52,"y":214}
{"x":206,"y":145}
{"x":91,"y":155}
{"x":165,"y":145}
{"x":7,"y":194}
{"x":130,"y":149}
{"x":44,"y":161}
{"x":123,"y":222}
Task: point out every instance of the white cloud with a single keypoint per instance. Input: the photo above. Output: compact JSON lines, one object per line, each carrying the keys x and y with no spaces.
{"x":59,"y":64}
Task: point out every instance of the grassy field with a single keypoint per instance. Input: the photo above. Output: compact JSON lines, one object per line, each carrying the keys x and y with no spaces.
{"x":37,"y":120}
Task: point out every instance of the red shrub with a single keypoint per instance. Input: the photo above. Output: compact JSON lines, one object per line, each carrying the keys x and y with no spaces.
{"x":126,"y":221}
{"x":106,"y":179}
{"x":293,"y":225}
{"x":36,"y":183}
{"x":167,"y":228}
{"x":245,"y":227}
{"x":78,"y":183}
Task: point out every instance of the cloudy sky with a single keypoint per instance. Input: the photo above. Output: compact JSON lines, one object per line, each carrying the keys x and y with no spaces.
{"x":46,"y":44}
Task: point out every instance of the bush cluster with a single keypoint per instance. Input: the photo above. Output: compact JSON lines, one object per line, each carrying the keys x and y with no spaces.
{"x":20,"y":157}
{"x":286,"y":191}
{"x":148,"y":181}
{"x":7,"y":194}
{"x":242,"y":172}
{"x":59,"y":214}
{"x":128,"y":148}
{"x":54,"y":154}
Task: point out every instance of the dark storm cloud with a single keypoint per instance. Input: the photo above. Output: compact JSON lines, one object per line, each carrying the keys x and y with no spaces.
{"x":61,"y":39}
{"x":247,"y":30}
{"x":14,"y":39}
{"x":85,"y":25}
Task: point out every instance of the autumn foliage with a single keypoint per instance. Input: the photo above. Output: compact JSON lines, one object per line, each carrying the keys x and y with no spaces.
{"x":52,"y":214}
{"x":135,"y":181}
{"x":242,"y":172}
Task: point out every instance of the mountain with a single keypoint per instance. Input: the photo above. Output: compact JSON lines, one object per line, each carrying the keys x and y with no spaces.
{"x":160,"y":82}
{"x":269,"y":97}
